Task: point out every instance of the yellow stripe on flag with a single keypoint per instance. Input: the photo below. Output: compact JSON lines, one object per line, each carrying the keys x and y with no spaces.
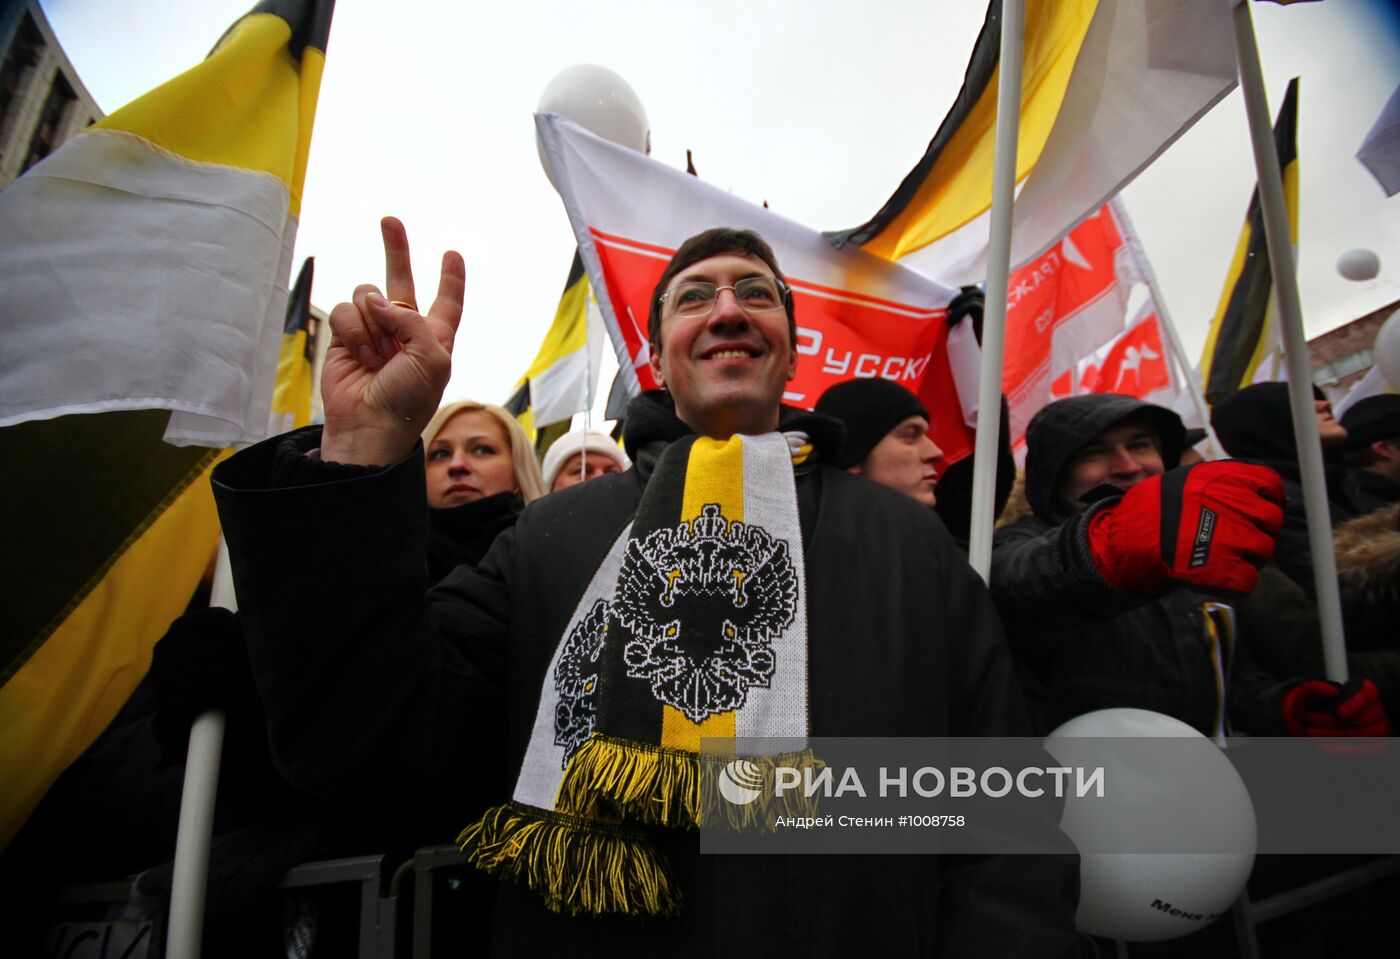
{"x":291,"y":397}
{"x":714,"y":474}
{"x":545,"y":399}
{"x":238,"y":107}
{"x":49,"y":711}
{"x":1237,"y":265}
{"x":959,"y":187}
{"x":568,"y":333}
{"x":313,"y":64}
{"x":526,"y":419}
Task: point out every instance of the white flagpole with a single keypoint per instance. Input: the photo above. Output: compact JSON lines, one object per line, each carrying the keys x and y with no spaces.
{"x":1295,"y":346}
{"x":984,"y":470}
{"x":189,"y":880}
{"x":1189,"y":375}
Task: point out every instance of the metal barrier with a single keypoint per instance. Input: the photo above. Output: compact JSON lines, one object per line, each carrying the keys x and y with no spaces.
{"x":377,"y":914}
{"x":422,"y":865}
{"x":379,"y":897}
{"x":1246,"y":915}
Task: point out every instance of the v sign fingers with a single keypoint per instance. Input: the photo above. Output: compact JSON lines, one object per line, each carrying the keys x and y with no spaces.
{"x":446,"y":312}
{"x":398,"y":267}
{"x":389,"y":364}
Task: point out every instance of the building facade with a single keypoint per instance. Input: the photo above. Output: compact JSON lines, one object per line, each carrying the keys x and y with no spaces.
{"x":42,"y":101}
{"x":1342,"y":356}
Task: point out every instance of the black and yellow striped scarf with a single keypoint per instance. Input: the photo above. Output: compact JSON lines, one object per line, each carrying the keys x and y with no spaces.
{"x":694,"y":626}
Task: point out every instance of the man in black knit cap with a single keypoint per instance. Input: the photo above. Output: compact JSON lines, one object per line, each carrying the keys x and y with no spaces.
{"x":886,"y":436}
{"x":887,"y":441}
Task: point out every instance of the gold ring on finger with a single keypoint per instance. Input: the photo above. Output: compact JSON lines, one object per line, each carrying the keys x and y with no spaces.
{"x":406,"y":306}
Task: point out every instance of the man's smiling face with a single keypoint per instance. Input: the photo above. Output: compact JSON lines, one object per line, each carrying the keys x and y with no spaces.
{"x":726,"y":369}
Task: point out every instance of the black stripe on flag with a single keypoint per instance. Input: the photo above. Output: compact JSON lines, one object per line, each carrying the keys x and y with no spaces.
{"x":310,"y":21}
{"x":90,"y":485}
{"x":1242,"y":324}
{"x":986,"y":54}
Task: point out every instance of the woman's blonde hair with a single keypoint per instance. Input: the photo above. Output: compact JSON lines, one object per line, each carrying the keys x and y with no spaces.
{"x":522,"y":453}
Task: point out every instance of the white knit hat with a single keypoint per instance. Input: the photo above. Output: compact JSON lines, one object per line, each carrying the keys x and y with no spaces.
{"x":599,"y":444}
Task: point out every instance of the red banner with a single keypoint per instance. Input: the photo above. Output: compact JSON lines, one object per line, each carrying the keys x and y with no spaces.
{"x":1062,"y":307}
{"x":841,"y":335}
{"x":1135,"y":364}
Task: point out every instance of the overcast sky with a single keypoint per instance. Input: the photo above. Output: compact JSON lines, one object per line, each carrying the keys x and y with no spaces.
{"x":819,"y":107}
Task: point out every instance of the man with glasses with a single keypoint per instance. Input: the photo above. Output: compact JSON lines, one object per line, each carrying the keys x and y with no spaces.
{"x":781,"y":595}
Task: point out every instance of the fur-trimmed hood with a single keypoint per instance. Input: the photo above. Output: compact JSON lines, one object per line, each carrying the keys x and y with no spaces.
{"x":1368,"y":552}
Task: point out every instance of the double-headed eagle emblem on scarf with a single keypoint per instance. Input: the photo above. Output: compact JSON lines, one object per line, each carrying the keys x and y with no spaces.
{"x":576,"y":681}
{"x":703,"y":602}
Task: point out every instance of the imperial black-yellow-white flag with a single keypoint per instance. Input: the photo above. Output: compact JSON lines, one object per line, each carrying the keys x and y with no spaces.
{"x":291,"y":395}
{"x":1244,"y":332}
{"x":145,"y":266}
{"x":564,"y":375}
{"x":1107,"y":85}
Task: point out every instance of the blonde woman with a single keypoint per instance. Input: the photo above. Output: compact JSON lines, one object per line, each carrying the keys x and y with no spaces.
{"x":481,"y":472}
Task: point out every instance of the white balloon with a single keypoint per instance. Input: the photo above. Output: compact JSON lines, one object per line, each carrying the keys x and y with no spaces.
{"x":601,"y":102}
{"x":1359,"y":265}
{"x":1146,"y":897}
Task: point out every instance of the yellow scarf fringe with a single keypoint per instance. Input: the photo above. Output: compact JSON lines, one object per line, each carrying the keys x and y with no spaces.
{"x":645,"y":783}
{"x":577,"y":866}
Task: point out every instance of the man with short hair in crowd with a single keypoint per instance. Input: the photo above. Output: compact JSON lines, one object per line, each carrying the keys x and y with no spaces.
{"x":1110,"y":590}
{"x":887,"y":441}
{"x":887,"y":437}
{"x":597,"y":640}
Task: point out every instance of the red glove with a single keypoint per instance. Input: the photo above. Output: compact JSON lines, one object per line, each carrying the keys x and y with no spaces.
{"x":1317,"y":707}
{"x":1211,"y":525}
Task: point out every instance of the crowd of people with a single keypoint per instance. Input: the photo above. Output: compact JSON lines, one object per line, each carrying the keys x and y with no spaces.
{"x":442,"y":638}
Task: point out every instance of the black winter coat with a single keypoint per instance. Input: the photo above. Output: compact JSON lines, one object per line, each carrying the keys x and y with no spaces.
{"x":380,"y":683}
{"x":464,"y":534}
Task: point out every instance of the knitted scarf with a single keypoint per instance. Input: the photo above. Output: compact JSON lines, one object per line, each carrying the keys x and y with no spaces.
{"x":693,"y":626}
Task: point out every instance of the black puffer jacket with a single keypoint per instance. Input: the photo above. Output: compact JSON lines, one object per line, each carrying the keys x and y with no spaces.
{"x":1080,"y":643}
{"x":380,"y":685}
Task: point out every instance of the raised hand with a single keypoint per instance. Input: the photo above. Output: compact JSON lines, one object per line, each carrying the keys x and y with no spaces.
{"x":1211,"y":526}
{"x":388,"y":364}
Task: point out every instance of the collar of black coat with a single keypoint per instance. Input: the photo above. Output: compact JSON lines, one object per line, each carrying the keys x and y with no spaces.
{"x":480,"y":512}
{"x":652,"y":425}
{"x":463,"y":534}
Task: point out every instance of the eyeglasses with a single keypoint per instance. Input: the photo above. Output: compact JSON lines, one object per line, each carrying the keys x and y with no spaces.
{"x":755,"y":294}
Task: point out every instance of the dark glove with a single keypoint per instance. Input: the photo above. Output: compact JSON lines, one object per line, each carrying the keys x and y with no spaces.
{"x":200,"y":663}
{"x":1211,"y":525}
{"x":1319,"y":707}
